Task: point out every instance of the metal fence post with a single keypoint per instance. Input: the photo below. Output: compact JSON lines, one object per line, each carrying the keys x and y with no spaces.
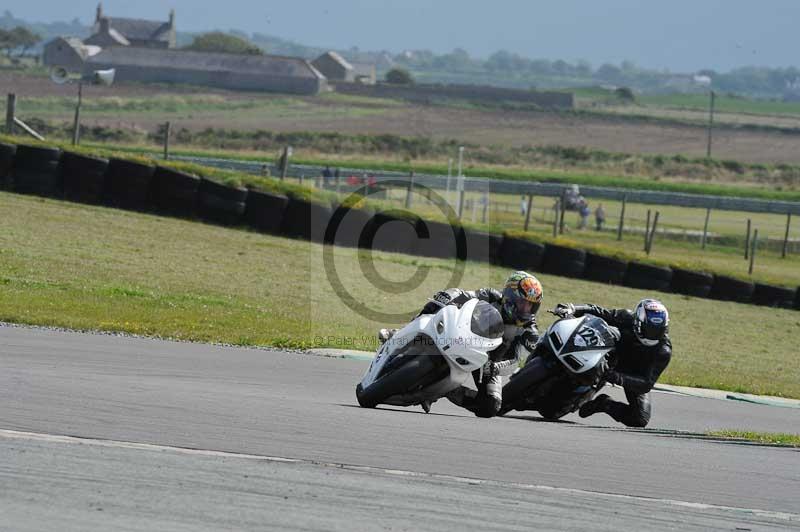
{"x":786,"y":237}
{"x":563,"y":210}
{"x":11,"y":112}
{"x":747,"y":240}
{"x":528,"y":211}
{"x":753,"y":252}
{"x":555,"y":217}
{"x":647,"y":230}
{"x":409,"y":190}
{"x":167,"y":128}
{"x":652,"y":232}
{"x":76,"y":127}
{"x":705,"y":229}
{"x":622,"y":218}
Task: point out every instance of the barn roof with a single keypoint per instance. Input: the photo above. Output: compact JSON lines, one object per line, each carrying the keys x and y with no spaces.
{"x":207,"y":61}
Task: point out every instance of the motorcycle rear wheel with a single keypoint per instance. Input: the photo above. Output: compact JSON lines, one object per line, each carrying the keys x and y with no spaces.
{"x":398,"y":381}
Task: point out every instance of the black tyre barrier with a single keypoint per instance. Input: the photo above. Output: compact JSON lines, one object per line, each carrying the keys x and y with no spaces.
{"x":264,"y":210}
{"x":440,"y":240}
{"x":483,"y":247}
{"x":773,"y":296}
{"x":346,"y":226}
{"x":306,"y":220}
{"x":731,"y":289}
{"x":563,"y":260}
{"x":521,"y":254}
{"x":221,"y":203}
{"x":35,"y":171}
{"x":175,"y":192}
{"x":128,"y":185}
{"x":602,"y":269}
{"x":7,"y":152}
{"x":691,"y":283}
{"x":797,"y":299}
{"x":648,"y":276}
{"x":390,"y":233}
{"x":84,"y":177}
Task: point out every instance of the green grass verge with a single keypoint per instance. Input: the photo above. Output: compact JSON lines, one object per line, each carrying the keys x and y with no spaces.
{"x":88,"y":267}
{"x":789,"y":440}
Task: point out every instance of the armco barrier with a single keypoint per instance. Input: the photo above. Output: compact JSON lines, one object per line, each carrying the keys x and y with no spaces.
{"x":35,"y":171}
{"x":129,"y":184}
{"x":264,"y":210}
{"x":84,"y":177}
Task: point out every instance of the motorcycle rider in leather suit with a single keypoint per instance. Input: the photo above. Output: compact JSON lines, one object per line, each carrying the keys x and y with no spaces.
{"x":518,"y":303}
{"x":642,"y":355}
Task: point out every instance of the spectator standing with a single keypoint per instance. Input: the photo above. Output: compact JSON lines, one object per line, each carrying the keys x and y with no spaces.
{"x":326,"y":176}
{"x":523,"y":206}
{"x":600,"y":217}
{"x":585,"y":212}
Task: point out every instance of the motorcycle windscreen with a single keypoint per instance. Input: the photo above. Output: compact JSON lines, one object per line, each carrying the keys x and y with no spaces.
{"x":592,"y":333}
{"x":486,"y":321}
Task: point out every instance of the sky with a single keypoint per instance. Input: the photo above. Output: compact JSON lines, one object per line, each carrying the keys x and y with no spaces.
{"x":679,"y":35}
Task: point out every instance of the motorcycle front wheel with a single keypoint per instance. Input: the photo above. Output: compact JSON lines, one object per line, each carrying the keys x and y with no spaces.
{"x":399,"y":381}
{"x":520,"y":385}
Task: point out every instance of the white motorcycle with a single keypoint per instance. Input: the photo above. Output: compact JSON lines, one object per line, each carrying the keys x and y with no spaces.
{"x":432,"y":356}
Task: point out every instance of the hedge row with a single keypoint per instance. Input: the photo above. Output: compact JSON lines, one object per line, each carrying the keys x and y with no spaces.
{"x":139,"y":186}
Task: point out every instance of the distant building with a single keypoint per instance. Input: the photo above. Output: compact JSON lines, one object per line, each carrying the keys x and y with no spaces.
{"x":268,"y":73}
{"x":365,"y":73}
{"x":335,"y":67}
{"x":111,"y":31}
{"x":68,"y":52}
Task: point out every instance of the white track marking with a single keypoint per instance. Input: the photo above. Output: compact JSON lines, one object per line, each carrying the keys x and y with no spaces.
{"x":53,"y":438}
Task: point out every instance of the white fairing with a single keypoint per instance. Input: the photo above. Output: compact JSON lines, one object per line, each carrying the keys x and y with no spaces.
{"x":562,"y":331}
{"x":452,"y":337}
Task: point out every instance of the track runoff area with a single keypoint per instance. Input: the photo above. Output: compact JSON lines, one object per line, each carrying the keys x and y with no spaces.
{"x":102,"y":432}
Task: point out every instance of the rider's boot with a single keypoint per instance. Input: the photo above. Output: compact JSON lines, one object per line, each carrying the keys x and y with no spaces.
{"x":598,"y":404}
{"x":490,"y":396}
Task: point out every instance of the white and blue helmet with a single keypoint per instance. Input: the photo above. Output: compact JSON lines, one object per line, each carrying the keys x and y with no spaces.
{"x":650,"y":322}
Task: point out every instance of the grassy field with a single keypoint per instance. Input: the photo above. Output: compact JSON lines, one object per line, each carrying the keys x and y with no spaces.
{"x":96,"y":268}
{"x":788,"y":440}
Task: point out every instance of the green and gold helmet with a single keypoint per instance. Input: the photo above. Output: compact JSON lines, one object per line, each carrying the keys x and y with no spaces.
{"x":522,"y":297}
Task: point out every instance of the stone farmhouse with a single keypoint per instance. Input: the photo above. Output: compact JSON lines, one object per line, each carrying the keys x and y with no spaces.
{"x":144,"y":51}
{"x":139,"y":33}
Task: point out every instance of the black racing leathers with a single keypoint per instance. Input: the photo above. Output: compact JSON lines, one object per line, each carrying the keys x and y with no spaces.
{"x":637,"y":368}
{"x":518,"y":343}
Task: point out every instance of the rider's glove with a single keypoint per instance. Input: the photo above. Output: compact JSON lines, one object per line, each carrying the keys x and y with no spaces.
{"x":563,"y":310}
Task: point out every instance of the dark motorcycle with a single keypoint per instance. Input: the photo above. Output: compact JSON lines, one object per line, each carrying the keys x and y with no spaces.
{"x":565,"y":370}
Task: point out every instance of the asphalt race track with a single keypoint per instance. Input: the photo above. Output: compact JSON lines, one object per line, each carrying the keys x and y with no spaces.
{"x":110,"y":433}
